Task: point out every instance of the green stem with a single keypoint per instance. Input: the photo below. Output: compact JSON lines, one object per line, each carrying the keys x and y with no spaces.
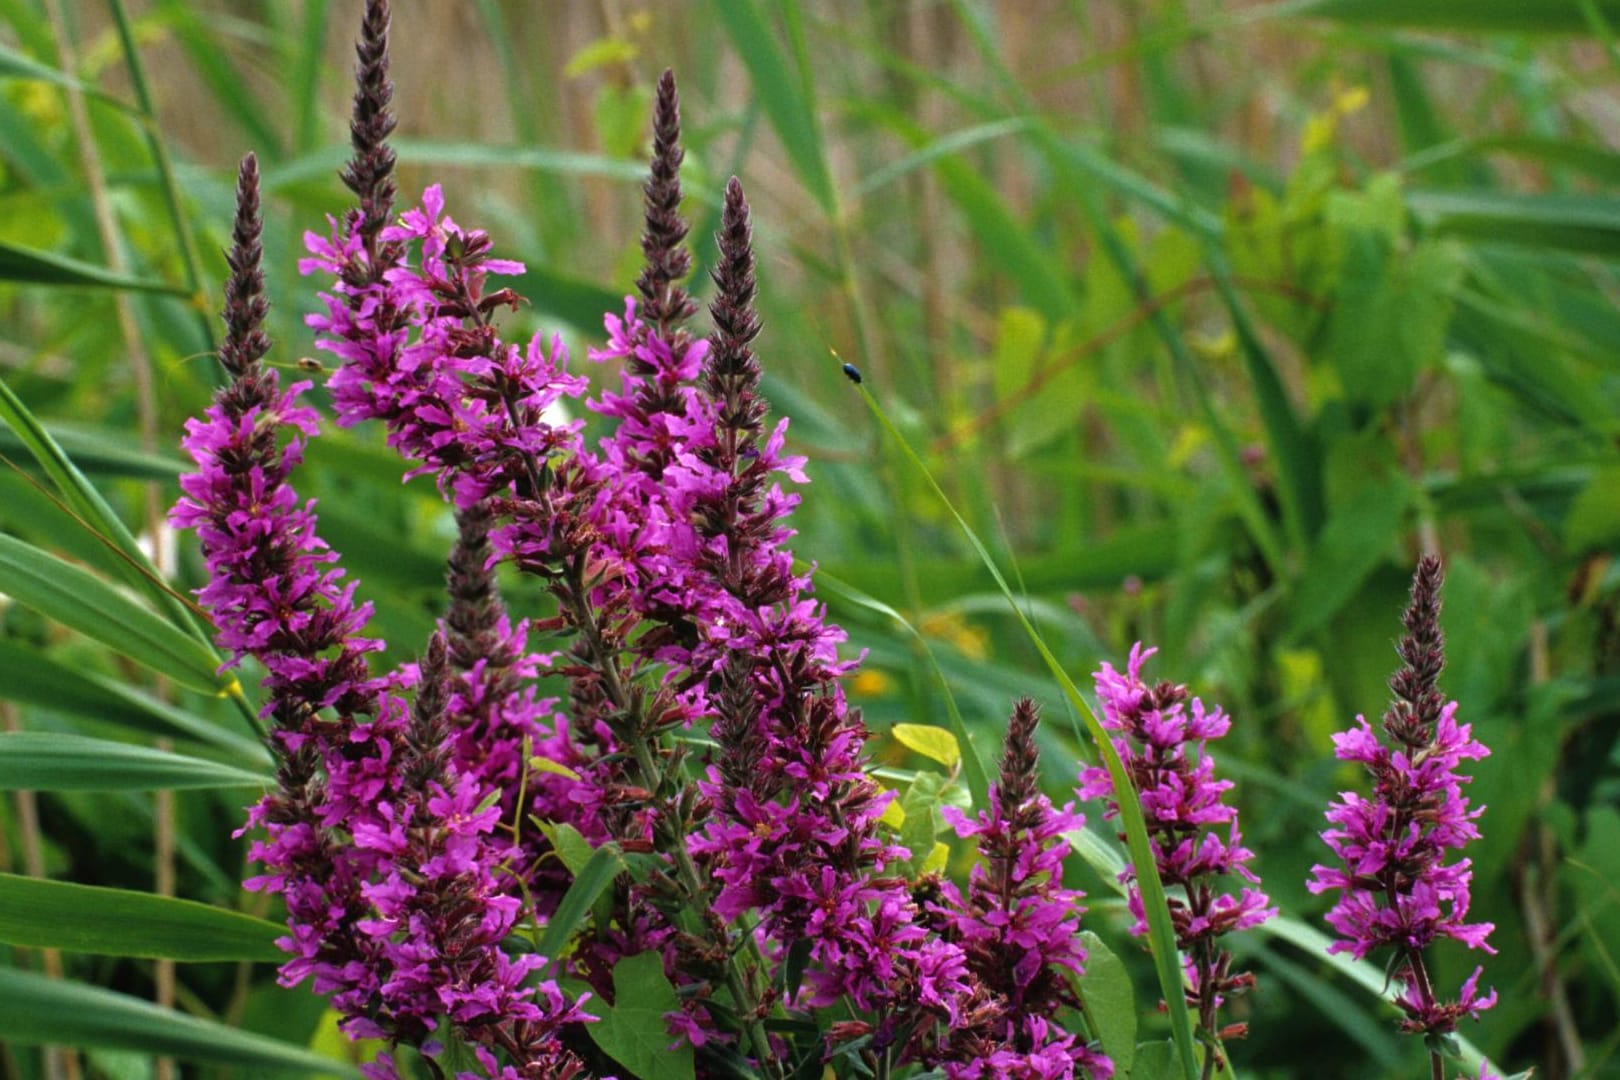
{"x":606,"y":663}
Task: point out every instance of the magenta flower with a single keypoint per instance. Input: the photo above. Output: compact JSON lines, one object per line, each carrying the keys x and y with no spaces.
{"x":1019,"y":928}
{"x":1395,"y":886}
{"x":1164,"y":741}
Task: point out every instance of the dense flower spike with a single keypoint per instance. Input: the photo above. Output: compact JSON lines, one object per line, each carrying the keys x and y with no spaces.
{"x":1019,"y":928}
{"x":1395,"y":887}
{"x":1164,"y":741}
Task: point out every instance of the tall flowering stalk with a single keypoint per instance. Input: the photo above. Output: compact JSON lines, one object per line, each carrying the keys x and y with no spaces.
{"x":1395,"y":887}
{"x":379,"y":841}
{"x":1163,"y":742}
{"x":1019,"y":928}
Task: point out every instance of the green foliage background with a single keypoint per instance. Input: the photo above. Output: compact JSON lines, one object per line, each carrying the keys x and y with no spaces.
{"x":1210,"y":317}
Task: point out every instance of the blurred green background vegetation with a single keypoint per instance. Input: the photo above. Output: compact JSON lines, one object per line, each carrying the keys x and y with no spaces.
{"x":1213,"y":317}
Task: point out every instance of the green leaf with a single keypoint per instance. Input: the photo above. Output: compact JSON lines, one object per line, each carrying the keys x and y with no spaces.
{"x":80,"y":600}
{"x":931,"y":742}
{"x":632,"y":1030}
{"x":921,"y":807}
{"x":31,"y":266}
{"x":41,"y":761}
{"x":1476,"y":16}
{"x":1594,"y":517}
{"x":16,"y":65}
{"x":119,"y":922}
{"x":87,"y":503}
{"x":1156,"y":1061}
{"x":1589,"y":224}
{"x":570,"y":845}
{"x":605,"y":864}
{"x":29,"y":677}
{"x":52,"y":1011}
{"x":1392,"y":306}
{"x":781,"y":94}
{"x":103,"y":451}
{"x":1357,"y":537}
{"x":1109,"y":1002}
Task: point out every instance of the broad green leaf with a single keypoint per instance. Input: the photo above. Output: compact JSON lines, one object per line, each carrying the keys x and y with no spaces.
{"x":49,"y":761}
{"x":79,"y":600}
{"x":31,"y":266}
{"x":1473,"y":16}
{"x":594,"y":878}
{"x":120,"y":922}
{"x":1594,"y":519}
{"x":570,"y":845}
{"x":43,"y":1011}
{"x":1109,"y":1002}
{"x":1157,"y":1061}
{"x":931,"y":742}
{"x":632,"y":1030}
{"x":1392,"y":306}
{"x":921,"y":807}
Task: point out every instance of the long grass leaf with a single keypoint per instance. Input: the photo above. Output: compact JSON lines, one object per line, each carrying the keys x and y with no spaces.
{"x":30,"y":677}
{"x":973,"y":764}
{"x":45,"y":914}
{"x":1474,"y":16}
{"x":30,"y":266}
{"x":80,"y":600}
{"x":786,"y":106}
{"x":52,"y":761}
{"x":40,"y":1011}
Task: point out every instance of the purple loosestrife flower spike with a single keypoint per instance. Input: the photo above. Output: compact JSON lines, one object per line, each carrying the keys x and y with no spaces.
{"x":1163,"y":741}
{"x":1395,"y":887}
{"x":377,"y":840}
{"x":370,"y":170}
{"x":1019,"y":928}
{"x":667,"y":305}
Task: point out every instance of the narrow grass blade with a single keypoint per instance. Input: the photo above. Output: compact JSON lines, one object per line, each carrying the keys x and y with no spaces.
{"x":86,"y":502}
{"x":52,"y":761}
{"x":1587,"y":224}
{"x":16,"y":65}
{"x":1475,"y":16}
{"x":1161,"y":935}
{"x":44,"y":914}
{"x":30,"y":266}
{"x":30,"y":677}
{"x":974,"y":766}
{"x":80,"y":600}
{"x":596,"y":875}
{"x":102,"y":452}
{"x":786,"y":106}
{"x":53,"y":1011}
